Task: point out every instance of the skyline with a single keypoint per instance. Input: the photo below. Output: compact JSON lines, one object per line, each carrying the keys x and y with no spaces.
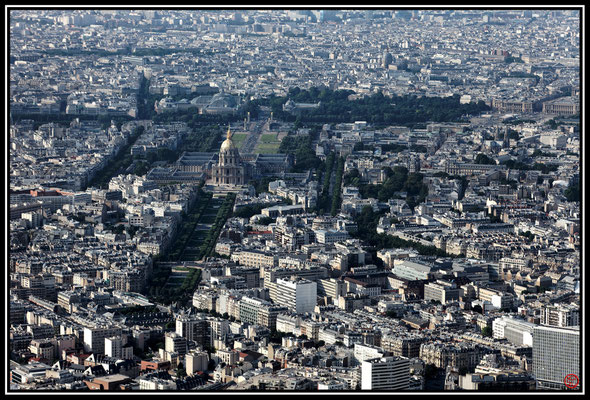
{"x":400,"y":191}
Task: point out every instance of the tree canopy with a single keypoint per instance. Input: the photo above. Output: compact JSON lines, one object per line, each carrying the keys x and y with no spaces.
{"x":377,"y":109}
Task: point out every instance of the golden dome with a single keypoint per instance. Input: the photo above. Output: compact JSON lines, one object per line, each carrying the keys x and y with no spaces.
{"x":227,"y":143}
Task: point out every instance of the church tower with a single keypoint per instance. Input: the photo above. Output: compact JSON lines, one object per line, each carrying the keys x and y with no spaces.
{"x":229,"y":170}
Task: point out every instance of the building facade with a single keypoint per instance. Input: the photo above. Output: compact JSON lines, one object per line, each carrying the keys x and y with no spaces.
{"x":385,"y":373}
{"x":556,"y":354}
{"x":299,"y":295}
{"x":229,"y":171}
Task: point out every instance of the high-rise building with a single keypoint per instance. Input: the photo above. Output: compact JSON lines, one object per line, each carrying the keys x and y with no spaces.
{"x":113,"y":346}
{"x":331,"y":287}
{"x":556,"y":355}
{"x":259,"y":312}
{"x":175,"y":343}
{"x":193,"y":327}
{"x":385,"y":373}
{"x":297,"y":294}
{"x":219,"y":328}
{"x":560,"y":315}
{"x":196,"y":361}
{"x":441,"y":291}
{"x":94,"y":338}
{"x":516,"y":331}
{"x":364,"y":352}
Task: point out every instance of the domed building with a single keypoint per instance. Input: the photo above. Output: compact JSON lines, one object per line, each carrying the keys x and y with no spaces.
{"x":229,"y":170}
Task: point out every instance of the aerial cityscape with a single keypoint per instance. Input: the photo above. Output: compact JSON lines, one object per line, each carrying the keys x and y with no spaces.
{"x":299,"y":199}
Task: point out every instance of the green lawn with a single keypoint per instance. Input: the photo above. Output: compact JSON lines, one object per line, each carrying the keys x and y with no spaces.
{"x":267,"y":148}
{"x":268,"y":144}
{"x":238,"y":139}
{"x":268,"y":138}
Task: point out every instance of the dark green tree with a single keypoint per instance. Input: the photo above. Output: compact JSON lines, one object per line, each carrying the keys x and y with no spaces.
{"x":486,"y":331}
{"x":572,"y":193}
{"x":483,"y":159}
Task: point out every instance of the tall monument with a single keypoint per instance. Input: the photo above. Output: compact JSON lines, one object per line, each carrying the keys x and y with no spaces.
{"x":229,"y":171}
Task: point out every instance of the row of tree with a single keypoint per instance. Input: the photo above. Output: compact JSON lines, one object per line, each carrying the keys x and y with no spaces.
{"x":397,"y":179}
{"x":187,"y":228}
{"x":66,"y":119}
{"x":223,"y":214}
{"x":118,"y":163}
{"x":249,"y":210}
{"x":324,"y":198}
{"x":572,"y":193}
{"x":336,"y":191}
{"x":544,"y":168}
{"x":167,"y":294}
{"x":185,"y":291}
{"x":378,"y":109}
{"x":302,"y":148}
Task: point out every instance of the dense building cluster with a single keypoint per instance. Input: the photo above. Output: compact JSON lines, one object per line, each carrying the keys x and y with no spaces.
{"x":294,"y":252}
